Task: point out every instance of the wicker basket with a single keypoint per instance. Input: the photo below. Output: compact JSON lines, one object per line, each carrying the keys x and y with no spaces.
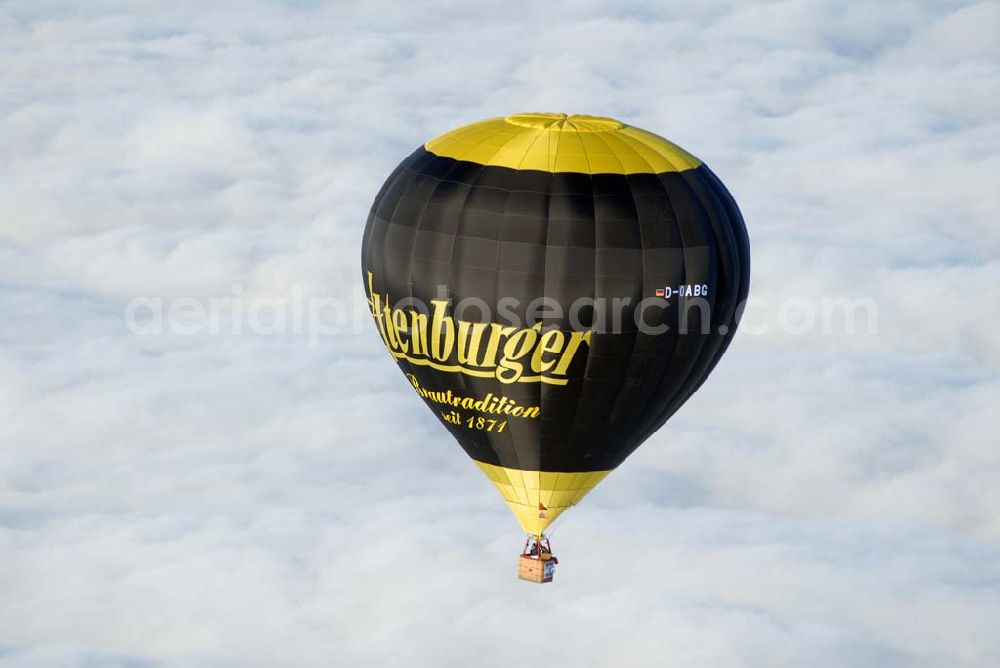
{"x":534,"y":569}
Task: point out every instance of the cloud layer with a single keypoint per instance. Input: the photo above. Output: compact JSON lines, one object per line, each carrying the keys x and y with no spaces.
{"x":230,"y":499}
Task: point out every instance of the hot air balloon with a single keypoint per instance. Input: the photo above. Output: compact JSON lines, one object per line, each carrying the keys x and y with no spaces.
{"x":554,"y":288}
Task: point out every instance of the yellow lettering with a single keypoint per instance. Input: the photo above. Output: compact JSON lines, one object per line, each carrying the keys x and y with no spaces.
{"x":519,"y":344}
{"x":418,"y":332}
{"x":390,"y":331}
{"x":399,"y":324}
{"x":575,"y":339}
{"x":442,"y":331}
{"x":552,"y":342}
{"x":470,"y":337}
{"x":478,"y":349}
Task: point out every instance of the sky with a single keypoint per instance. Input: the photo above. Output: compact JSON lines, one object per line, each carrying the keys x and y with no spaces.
{"x":214,"y":492}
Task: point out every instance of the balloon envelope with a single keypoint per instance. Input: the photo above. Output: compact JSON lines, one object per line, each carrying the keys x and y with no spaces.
{"x":554,"y":288}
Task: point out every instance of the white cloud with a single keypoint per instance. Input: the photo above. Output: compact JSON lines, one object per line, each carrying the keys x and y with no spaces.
{"x":826,"y":499}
